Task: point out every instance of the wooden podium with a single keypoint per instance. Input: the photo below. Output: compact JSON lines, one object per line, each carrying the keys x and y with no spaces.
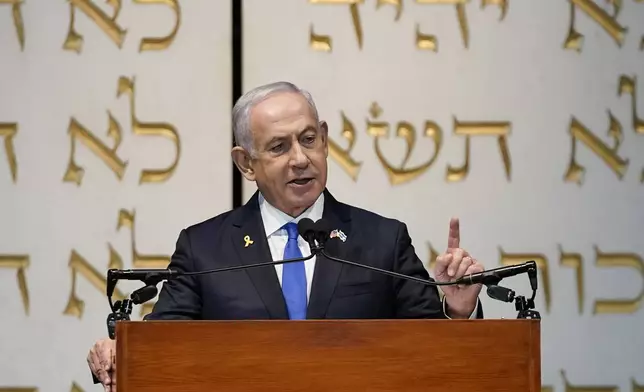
{"x":329,"y":355}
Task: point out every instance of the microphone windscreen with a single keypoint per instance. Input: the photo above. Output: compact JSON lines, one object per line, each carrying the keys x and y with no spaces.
{"x":500,"y":293}
{"x":305,"y":227}
{"x":322,"y":230}
{"x":144,"y":294}
{"x":323,"y":226}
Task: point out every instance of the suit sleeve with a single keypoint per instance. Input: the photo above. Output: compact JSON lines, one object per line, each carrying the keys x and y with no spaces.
{"x":413,"y":299}
{"x":416,"y":300}
{"x":180,"y":298}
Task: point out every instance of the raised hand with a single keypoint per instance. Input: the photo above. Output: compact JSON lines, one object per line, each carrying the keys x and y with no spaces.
{"x":452,"y":265}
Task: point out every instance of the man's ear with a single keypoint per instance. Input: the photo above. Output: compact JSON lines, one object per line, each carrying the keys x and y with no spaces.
{"x":324,"y":128}
{"x":244,"y":163}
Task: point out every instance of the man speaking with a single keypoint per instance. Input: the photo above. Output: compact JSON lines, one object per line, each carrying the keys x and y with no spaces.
{"x":283,"y":147}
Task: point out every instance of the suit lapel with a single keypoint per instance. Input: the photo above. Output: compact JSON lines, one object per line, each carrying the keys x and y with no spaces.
{"x":327,"y":272}
{"x":248,"y":225}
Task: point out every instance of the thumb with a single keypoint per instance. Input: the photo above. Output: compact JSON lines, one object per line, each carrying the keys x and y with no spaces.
{"x":442,"y":262}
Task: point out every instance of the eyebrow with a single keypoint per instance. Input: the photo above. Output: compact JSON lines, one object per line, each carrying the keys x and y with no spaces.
{"x":281,"y":138}
{"x":308,"y":128}
{"x":273,"y":140}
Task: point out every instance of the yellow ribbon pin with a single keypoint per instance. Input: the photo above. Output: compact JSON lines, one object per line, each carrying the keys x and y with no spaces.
{"x":248,"y":241}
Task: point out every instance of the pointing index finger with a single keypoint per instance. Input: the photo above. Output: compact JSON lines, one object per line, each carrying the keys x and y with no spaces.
{"x":454,"y":239}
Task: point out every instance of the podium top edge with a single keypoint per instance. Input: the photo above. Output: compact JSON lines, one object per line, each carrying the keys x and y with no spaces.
{"x":340,"y":321}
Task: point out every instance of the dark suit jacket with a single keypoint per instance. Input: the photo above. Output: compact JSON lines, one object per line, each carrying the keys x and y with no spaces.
{"x":338,"y":291}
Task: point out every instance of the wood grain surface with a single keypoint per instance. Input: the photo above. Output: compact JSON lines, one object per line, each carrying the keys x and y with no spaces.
{"x":330,"y":355}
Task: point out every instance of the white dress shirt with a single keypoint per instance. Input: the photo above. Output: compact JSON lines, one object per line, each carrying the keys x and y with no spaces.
{"x":277,"y":238}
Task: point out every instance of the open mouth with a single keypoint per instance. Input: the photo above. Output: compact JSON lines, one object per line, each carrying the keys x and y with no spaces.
{"x":301,"y":181}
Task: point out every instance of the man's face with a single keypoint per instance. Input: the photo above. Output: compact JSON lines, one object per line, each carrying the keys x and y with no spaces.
{"x":289,"y":165}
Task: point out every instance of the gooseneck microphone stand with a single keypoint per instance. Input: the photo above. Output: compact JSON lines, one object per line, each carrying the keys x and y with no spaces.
{"x":122,"y":309}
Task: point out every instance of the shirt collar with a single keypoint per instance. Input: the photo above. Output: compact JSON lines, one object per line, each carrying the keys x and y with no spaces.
{"x":274,"y":219}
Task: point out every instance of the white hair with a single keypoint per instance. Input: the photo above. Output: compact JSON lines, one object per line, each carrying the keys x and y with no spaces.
{"x":241,"y":110}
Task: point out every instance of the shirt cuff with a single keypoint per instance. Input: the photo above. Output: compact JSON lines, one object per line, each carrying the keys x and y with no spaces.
{"x":472,"y":316}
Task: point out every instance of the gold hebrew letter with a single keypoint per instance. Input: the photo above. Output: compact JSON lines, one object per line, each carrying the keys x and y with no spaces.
{"x":579,"y":132}
{"x":76,"y":388}
{"x":406,"y":131}
{"x":433,"y":254}
{"x":462,"y":23}
{"x":18,"y":22}
{"x":426,"y":41}
{"x":499,"y":129}
{"x":147,"y":308}
{"x":431,"y":264}
{"x":542,"y":265}
{"x":609,"y":23}
{"x":8,"y":132}
{"x":502,"y":4}
{"x":127,"y":219}
{"x":574,"y":260}
{"x":163,"y":42}
{"x":20,"y":264}
{"x":395,"y":3}
{"x":430,"y":42}
{"x":619,"y":260}
{"x":127,"y":86}
{"x":571,"y":388}
{"x":108,"y":155}
{"x":319,"y":42}
{"x":78,"y":265}
{"x":636,"y":387}
{"x":642,"y":41}
{"x":628,"y":85}
{"x":343,"y":156}
{"x":324,"y":42}
{"x":74,"y":40}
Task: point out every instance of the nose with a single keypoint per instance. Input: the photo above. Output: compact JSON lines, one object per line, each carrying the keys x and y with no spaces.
{"x":298,"y":158}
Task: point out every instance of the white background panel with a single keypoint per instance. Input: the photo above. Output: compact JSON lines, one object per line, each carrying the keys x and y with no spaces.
{"x":514,"y":70}
{"x":42,"y":86}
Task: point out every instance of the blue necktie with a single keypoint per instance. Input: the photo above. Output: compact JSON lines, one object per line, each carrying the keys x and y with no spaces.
{"x":294,"y":276}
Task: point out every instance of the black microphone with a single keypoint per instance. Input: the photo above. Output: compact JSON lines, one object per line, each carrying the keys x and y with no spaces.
{"x":148,"y":276}
{"x":322,"y":231}
{"x":306,"y":229}
{"x":141,"y":274}
{"x":494,"y":276}
{"x":144,"y":294}
{"x":500,"y":293}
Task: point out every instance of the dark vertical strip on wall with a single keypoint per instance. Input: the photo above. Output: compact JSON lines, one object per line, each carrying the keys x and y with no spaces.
{"x":237,"y":72}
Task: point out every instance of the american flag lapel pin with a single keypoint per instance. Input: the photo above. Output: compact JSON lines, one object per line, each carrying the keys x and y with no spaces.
{"x":339,"y":234}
